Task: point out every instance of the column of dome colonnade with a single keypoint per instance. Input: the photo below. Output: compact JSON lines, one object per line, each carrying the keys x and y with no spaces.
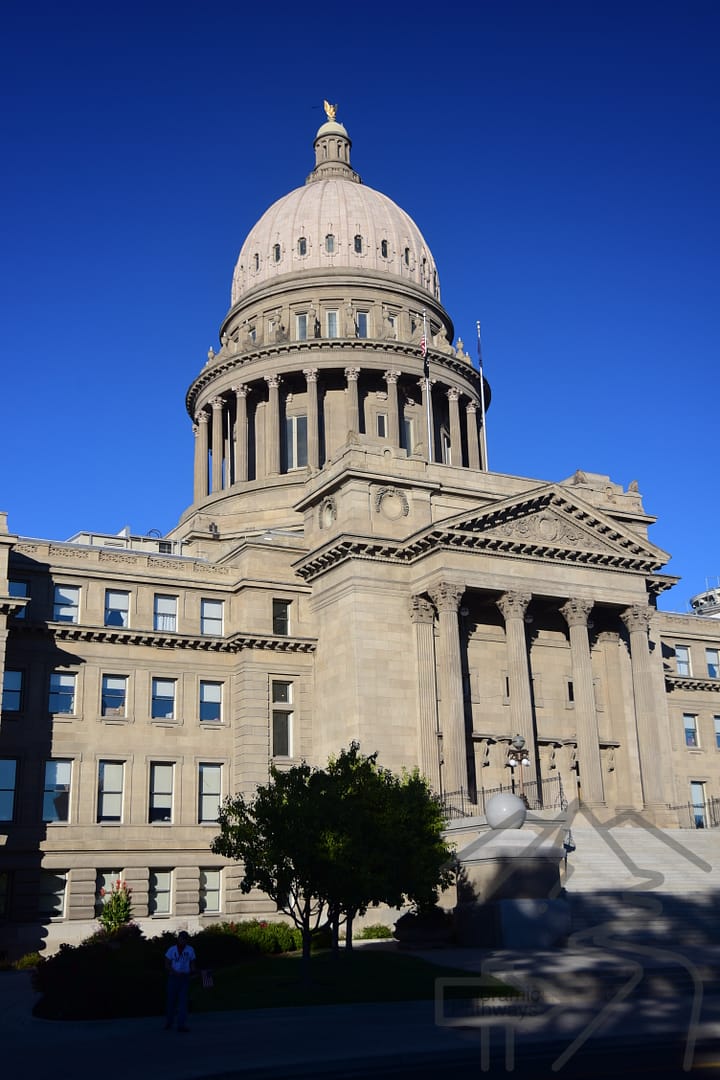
{"x":222,"y":434}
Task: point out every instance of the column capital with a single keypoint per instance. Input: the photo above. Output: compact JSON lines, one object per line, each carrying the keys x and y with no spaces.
{"x":471,"y":407}
{"x":636,"y":618}
{"x":421,"y":610}
{"x":575,"y":612}
{"x":453,"y":393}
{"x":422,"y":383}
{"x":352,"y":374}
{"x":392,"y":376}
{"x":217,"y":402}
{"x":242,"y":391}
{"x":446,"y":595}
{"x":310,"y":374}
{"x":513,"y":605}
{"x":273,"y":381}
{"x":202,"y":417}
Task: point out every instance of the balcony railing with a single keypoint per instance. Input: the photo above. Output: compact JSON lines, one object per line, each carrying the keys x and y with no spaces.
{"x":545,"y":794}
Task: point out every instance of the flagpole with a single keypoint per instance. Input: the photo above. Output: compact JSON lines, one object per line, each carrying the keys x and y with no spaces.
{"x":482,"y":400}
{"x":426,"y":369}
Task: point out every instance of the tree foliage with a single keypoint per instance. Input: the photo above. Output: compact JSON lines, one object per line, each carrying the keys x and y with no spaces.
{"x":332,"y":842}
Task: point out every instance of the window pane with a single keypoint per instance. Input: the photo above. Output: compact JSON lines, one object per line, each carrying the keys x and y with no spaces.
{"x":8,"y":769}
{"x":163,"y":699}
{"x":104,"y":882}
{"x":56,"y":795}
{"x":362,"y":324}
{"x":690,"y":723}
{"x":332,"y":324}
{"x":19,"y":588}
{"x":117,"y":605}
{"x":62,"y":693}
{"x":281,"y":616}
{"x":211,"y":616}
{"x":716,"y":720}
{"x":713,"y":662}
{"x":12,"y":691}
{"x":301,"y":327}
{"x":209,"y":890}
{"x":160,"y":888}
{"x":161,"y":785}
{"x":209,"y":788}
{"x":210,"y":701}
{"x":51,"y":894}
{"x":110,"y":790}
{"x":114,"y":694}
{"x":165,"y":612}
{"x":280,"y":734}
{"x":67,"y":600}
{"x":281,"y":692}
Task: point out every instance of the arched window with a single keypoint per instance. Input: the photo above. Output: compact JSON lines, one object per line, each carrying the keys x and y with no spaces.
{"x":257,"y":262}
{"x":276,"y":253}
{"x":407,"y":256}
{"x":358,"y":244}
{"x":330,"y":244}
{"x":384,"y":248}
{"x":302,"y":246}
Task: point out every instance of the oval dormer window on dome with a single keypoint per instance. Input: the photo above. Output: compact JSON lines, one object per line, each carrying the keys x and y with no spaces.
{"x":276,"y":252}
{"x":406,"y":256}
{"x":358,"y":244}
{"x":384,"y":248}
{"x":302,"y":246}
{"x":256,"y":262}
{"x":330,"y":244}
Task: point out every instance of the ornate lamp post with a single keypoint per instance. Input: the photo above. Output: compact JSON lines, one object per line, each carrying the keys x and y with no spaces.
{"x":518,"y":759}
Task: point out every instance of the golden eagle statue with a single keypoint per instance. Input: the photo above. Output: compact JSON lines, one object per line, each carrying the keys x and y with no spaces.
{"x":330,"y":110}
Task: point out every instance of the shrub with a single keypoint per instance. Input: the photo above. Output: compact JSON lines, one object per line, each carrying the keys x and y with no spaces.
{"x":258,"y":935}
{"x":28,"y":962}
{"x":376,"y":930}
{"x":117,"y":907}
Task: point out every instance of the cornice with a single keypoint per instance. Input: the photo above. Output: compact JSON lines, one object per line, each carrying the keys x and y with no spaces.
{"x":686,"y":682}
{"x":233,"y":643}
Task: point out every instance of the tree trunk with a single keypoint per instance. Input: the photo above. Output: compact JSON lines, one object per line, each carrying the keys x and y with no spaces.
{"x":348,"y":931}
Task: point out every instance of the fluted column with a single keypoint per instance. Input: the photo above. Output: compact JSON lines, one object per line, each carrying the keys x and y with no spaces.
{"x":241,"y":434}
{"x":423,"y":619}
{"x":352,"y":375}
{"x":272,"y":448}
{"x":446,"y":598}
{"x":391,"y":378}
{"x":513,"y":606}
{"x":200,"y":431}
{"x":650,"y":743}
{"x":426,"y":386}
{"x":313,"y":432}
{"x":217,"y":443}
{"x":455,"y":439}
{"x":472,"y":436}
{"x":575,"y":614}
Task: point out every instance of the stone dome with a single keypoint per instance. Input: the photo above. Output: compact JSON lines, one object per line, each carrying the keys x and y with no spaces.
{"x":334,"y":222}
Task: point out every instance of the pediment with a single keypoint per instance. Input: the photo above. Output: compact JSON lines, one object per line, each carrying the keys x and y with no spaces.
{"x":550,"y":522}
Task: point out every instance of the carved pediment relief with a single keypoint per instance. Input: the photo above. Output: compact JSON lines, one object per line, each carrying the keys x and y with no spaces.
{"x":553,"y":523}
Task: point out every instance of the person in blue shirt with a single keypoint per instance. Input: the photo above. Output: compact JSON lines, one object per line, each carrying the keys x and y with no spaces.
{"x":180,"y":965}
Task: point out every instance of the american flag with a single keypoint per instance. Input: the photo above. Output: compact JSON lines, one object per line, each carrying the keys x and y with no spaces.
{"x":423,"y":345}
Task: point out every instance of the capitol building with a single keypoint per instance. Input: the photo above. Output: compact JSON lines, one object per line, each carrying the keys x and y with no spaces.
{"x":348,"y":569}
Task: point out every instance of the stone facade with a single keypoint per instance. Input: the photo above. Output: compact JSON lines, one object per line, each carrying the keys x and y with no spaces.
{"x":348,"y":569}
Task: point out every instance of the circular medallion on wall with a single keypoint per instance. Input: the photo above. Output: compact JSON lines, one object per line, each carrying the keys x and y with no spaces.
{"x":392,"y":503}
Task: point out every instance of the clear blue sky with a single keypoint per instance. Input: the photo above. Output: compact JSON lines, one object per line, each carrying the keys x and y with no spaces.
{"x":560,"y":158}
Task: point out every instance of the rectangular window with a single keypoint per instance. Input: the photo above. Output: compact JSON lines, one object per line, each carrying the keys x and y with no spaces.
{"x":160,"y":892}
{"x":8,"y":773}
{"x":281,"y":617}
{"x":381,"y":419}
{"x":12,"y":691}
{"x":445,"y":448}
{"x":163,"y":699}
{"x":104,"y":881}
{"x":209,"y":792}
{"x":282,"y":714}
{"x":691,"y":732}
{"x":4,"y":893}
{"x":361,"y":324}
{"x":296,"y":453}
{"x":117,"y":608}
{"x":19,"y":588}
{"x":408,"y":434}
{"x":211,"y":617}
{"x":211,"y":701}
{"x":712,"y":659}
{"x":301,"y":327}
{"x":51,"y":894}
{"x":682,"y":659}
{"x":56,"y":792}
{"x":716,"y":721}
{"x":331,"y":324}
{"x":114,"y":695}
{"x":62,"y":693}
{"x":110,"y":790}
{"x":209,"y":892}
{"x":698,"y":804}
{"x":165,"y":613}
{"x":67,"y":603}
{"x":161,"y":791}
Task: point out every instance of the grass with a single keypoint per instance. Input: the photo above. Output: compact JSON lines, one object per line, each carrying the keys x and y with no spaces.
{"x":365,"y":975}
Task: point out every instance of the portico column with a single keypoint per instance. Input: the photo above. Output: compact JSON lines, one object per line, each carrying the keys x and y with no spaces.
{"x":313,"y":433}
{"x":423,"y":619}
{"x":446,"y":598}
{"x":391,"y":378}
{"x":200,"y":431}
{"x":575,"y":613}
{"x":455,"y":439}
{"x":272,"y":447}
{"x":217,"y":443}
{"x":241,"y":434}
{"x":352,"y":375}
{"x":650,"y":740}
{"x":426,"y":386}
{"x":472,"y":436}
{"x":513,"y":606}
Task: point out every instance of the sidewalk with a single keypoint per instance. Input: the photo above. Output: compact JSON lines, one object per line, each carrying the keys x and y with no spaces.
{"x":569,"y":996}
